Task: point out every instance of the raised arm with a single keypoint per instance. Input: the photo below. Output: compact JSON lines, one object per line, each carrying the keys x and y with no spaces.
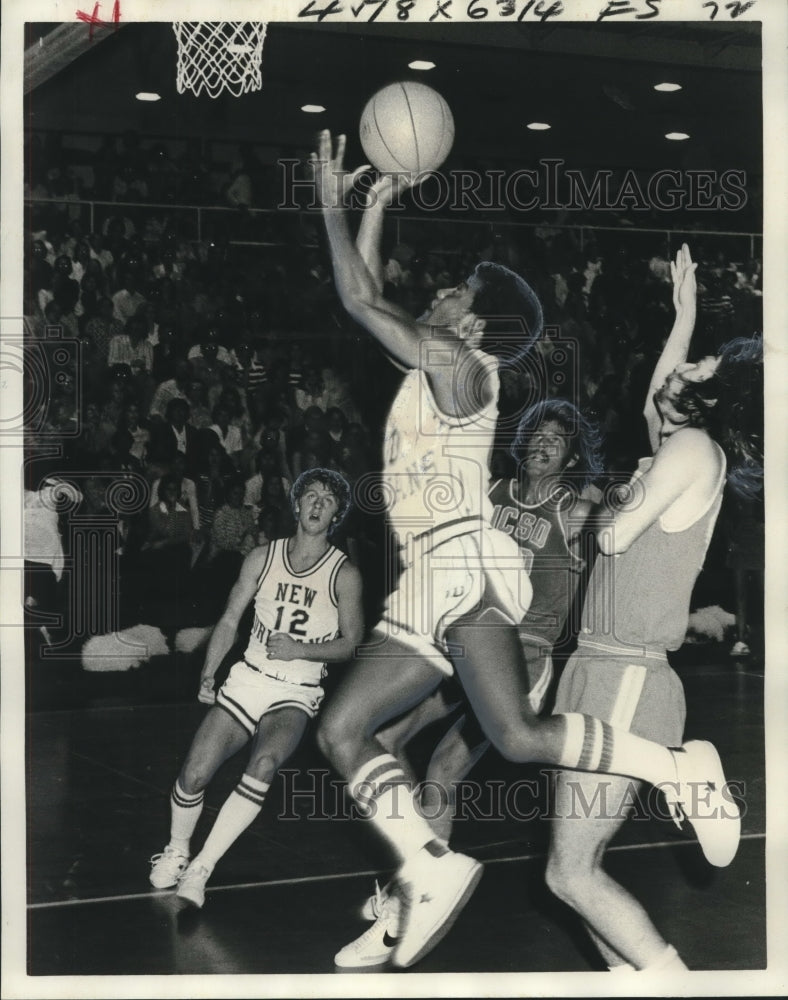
{"x":370,"y":233}
{"x":686,"y":460}
{"x":393,"y":327}
{"x":677,"y":345}
{"x":357,"y":288}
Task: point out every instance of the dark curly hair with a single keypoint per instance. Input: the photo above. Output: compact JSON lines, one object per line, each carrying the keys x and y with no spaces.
{"x":585,"y":438}
{"x":512,"y":312}
{"x":333,"y":482}
{"x":729,"y":405}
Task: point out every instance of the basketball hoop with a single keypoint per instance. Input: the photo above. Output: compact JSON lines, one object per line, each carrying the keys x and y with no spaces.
{"x":214,"y":56}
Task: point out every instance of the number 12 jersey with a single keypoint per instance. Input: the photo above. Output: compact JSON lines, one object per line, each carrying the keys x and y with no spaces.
{"x":300,"y":604}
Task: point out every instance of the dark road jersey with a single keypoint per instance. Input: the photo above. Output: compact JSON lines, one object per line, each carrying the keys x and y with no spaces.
{"x":553,"y":568}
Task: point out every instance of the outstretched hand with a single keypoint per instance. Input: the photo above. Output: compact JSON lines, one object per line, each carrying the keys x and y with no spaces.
{"x":332,"y":181}
{"x":682,"y":271}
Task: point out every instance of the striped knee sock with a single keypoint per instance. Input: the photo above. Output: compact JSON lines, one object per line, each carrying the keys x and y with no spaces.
{"x":185,"y":811}
{"x":383,"y":793}
{"x":592,"y":745}
{"x":241,"y":808}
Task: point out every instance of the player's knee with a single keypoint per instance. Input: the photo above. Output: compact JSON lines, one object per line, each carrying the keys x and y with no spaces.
{"x":194,"y":777}
{"x":325,"y":736}
{"x":263,"y":766}
{"x":333,"y":735}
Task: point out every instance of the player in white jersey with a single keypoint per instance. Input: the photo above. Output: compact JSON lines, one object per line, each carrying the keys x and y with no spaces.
{"x":700,"y":416}
{"x":307,"y":613}
{"x":462,"y":591}
{"x":558,"y":455}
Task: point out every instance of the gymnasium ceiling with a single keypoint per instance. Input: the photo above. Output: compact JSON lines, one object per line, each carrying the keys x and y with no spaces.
{"x":594,"y":84}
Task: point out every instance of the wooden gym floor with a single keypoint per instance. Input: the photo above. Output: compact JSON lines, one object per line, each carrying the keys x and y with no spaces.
{"x":286,"y":896}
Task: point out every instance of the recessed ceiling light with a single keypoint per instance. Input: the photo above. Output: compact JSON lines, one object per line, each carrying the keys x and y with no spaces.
{"x":667,"y":87}
{"x":423,"y":64}
{"x":312,"y":109}
{"x":147,"y":96}
{"x":538,"y":126}
{"x":676,"y":136}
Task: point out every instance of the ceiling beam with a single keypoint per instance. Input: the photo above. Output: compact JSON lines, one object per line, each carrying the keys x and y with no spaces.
{"x":680,"y":43}
{"x":60,"y":47}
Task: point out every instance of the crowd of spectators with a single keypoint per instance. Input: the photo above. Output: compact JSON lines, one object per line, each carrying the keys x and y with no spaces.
{"x":216,"y":373}
{"x":126,"y":168}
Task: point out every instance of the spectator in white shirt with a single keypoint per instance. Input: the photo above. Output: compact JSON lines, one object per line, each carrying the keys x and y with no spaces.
{"x":127,"y":300}
{"x":132,"y":347}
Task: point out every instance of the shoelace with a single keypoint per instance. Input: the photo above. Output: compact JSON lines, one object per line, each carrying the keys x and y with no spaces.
{"x":166,"y":853}
{"x":378,"y":901}
{"x":676,"y":811}
{"x":197,"y":874}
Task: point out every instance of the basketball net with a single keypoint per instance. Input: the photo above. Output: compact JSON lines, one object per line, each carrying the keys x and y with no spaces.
{"x":214,"y":56}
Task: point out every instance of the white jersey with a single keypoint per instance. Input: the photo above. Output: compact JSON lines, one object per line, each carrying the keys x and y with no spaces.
{"x":435,"y":482}
{"x":436,"y":467}
{"x":300,"y":604}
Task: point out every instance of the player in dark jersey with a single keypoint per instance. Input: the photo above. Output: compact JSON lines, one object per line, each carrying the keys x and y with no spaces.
{"x":557,"y":451}
{"x":704,"y":419}
{"x":436,"y":624}
{"x":307,"y":603}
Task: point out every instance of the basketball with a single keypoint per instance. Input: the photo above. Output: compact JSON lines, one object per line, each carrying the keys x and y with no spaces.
{"x":408,"y":127}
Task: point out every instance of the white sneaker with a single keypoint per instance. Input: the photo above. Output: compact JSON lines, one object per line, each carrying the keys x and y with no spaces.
{"x":166,"y":868}
{"x":699,"y":796}
{"x":373,"y":905}
{"x":739,"y":649}
{"x":433,"y":892}
{"x":376,"y":945}
{"x":191,"y":886}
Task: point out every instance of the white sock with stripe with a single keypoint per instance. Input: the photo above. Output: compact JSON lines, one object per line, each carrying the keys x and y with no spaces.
{"x":593,"y":745}
{"x":242,"y":806}
{"x":185,"y":811}
{"x":384,"y":796}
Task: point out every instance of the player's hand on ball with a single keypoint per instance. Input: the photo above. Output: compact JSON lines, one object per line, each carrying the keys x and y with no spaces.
{"x":282,"y":647}
{"x":389,"y":186}
{"x":206,"y":694}
{"x":332,"y":181}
